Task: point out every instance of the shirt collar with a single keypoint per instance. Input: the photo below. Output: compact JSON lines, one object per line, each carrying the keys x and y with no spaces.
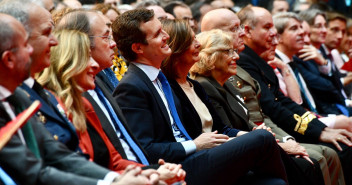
{"x":29,"y":82}
{"x":327,"y":51}
{"x":283,"y":57}
{"x":4,"y":92}
{"x":150,"y":71}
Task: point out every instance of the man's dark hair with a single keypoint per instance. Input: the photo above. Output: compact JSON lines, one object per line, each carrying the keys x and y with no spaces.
{"x":126,"y":31}
{"x":147,"y":3}
{"x":169,"y":8}
{"x":334,"y":15}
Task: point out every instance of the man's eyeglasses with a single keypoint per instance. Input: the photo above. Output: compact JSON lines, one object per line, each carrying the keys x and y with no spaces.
{"x":106,"y":38}
{"x":237,"y":28}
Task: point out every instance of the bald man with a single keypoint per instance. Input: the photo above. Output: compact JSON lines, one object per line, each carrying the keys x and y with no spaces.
{"x":225,"y":20}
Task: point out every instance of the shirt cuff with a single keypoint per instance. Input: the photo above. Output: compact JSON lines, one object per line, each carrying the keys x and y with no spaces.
{"x":189,"y":146}
{"x":108,"y":179}
{"x":286,"y":138}
{"x":347,"y":102}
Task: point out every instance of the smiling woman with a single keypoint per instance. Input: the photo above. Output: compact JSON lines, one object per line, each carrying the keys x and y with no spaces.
{"x":66,"y":66}
{"x":72,"y":72}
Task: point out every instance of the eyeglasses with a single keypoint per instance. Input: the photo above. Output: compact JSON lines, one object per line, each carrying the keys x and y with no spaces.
{"x":230,"y":52}
{"x":106,"y":38}
{"x":237,"y":28}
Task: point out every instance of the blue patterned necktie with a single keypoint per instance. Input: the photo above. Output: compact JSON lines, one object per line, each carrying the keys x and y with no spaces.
{"x":111,"y":76}
{"x":119,"y":126}
{"x":170,"y":100}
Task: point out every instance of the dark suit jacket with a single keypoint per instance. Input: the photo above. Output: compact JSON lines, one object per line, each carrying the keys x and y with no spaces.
{"x":53,"y":120}
{"x":279,"y":108}
{"x":226,"y":103}
{"x":147,"y":116}
{"x":190,"y":118}
{"x":323,"y":90}
{"x":148,"y":119}
{"x":55,"y":162}
{"x":108,"y":129}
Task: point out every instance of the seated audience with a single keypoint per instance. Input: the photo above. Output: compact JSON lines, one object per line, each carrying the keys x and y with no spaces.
{"x":291,"y":117}
{"x":250,"y":90}
{"x":71,"y":73}
{"x":32,"y":156}
{"x":217,"y":63}
{"x":147,"y":102}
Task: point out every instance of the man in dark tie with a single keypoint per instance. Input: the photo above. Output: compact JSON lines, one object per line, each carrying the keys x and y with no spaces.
{"x":32,"y":156}
{"x":288,"y":115}
{"x":149,"y":106}
{"x":38,"y":23}
{"x":292,"y":37}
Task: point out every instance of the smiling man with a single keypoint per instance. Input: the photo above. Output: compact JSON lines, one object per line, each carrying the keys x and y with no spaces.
{"x":150,"y":110}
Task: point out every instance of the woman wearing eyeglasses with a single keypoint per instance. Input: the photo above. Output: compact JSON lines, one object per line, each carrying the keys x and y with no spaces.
{"x":216,"y":65}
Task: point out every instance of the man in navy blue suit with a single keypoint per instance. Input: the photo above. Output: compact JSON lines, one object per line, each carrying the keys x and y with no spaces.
{"x":149,"y":108}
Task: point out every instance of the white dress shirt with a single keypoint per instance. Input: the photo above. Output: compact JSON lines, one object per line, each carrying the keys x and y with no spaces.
{"x":152,"y":74}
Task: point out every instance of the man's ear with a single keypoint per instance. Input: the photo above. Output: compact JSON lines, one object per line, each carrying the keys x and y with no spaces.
{"x":247,"y":31}
{"x":137,"y":48}
{"x":8,"y":59}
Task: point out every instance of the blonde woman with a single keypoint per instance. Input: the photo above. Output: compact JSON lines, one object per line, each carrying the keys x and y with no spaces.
{"x":72,"y":71}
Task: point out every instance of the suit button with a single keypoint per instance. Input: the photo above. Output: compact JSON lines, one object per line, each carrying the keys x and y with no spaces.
{"x":56,"y":137}
{"x":269,"y":85}
{"x":275,"y":99}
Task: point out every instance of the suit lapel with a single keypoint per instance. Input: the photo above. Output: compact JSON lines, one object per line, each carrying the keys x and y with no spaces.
{"x":118,"y":112}
{"x":110,"y":132}
{"x":46,"y":109}
{"x":154,"y":92}
{"x":106,"y":81}
{"x":234,"y":105}
{"x":238,"y":106}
